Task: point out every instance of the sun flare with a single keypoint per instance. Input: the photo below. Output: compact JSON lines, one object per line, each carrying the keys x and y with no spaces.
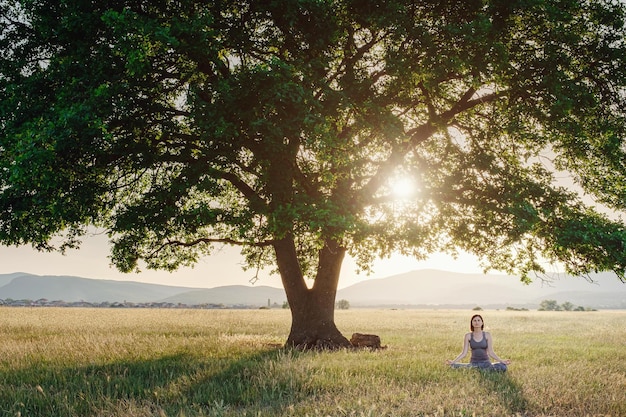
{"x":403,"y":187}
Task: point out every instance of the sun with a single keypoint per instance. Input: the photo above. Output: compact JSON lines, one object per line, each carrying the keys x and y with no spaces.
{"x":403,"y":187}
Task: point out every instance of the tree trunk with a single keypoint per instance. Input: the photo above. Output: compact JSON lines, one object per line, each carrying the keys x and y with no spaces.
{"x":312,"y":309}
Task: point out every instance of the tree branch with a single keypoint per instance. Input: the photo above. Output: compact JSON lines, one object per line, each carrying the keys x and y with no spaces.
{"x":207,"y":240}
{"x":420,"y":134}
{"x":244,"y":188}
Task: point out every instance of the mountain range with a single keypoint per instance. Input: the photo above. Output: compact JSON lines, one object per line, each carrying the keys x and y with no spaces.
{"x":421,"y":288}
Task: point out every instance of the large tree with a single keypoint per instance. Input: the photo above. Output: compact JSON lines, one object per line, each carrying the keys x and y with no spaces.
{"x":281,"y":125}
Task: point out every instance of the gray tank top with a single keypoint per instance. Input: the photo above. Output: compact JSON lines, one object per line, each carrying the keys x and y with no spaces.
{"x":479,"y":349}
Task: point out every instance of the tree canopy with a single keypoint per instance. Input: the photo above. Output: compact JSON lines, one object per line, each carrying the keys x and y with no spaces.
{"x":282,"y":126}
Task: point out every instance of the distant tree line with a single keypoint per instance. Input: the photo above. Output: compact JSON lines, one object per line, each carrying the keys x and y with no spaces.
{"x":549,"y":305}
{"x":42,"y":302}
{"x":339,"y":305}
{"x":552,"y":305}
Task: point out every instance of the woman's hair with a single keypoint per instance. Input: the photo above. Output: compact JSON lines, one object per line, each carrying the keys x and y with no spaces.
{"x":481,"y":319}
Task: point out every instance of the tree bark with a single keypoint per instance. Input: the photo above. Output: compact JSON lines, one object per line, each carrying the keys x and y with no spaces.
{"x":312,"y":309}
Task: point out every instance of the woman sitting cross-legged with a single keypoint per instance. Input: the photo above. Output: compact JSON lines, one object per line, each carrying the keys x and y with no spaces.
{"x":481,"y":344}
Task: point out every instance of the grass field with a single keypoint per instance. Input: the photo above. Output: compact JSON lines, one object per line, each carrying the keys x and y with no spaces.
{"x":118,"y":362}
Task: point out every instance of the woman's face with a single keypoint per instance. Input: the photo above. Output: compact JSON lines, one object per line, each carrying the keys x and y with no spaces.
{"x":477,"y":322}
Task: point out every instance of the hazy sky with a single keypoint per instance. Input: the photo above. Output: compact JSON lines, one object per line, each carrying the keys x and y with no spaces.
{"x":91,"y":261}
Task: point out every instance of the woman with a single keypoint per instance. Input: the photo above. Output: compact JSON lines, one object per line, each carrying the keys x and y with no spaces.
{"x":481,"y":344}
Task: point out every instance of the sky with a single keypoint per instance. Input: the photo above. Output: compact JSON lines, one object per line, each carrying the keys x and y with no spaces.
{"x":91,"y":261}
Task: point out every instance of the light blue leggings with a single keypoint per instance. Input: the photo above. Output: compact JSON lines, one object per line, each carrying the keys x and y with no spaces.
{"x":486,"y":366}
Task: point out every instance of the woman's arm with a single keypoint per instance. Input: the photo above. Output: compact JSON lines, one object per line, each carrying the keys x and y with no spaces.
{"x":491,"y":352}
{"x":463,"y":353}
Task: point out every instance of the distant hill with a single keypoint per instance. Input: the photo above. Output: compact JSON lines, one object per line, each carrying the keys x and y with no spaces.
{"x":67,"y":288}
{"x":422,"y":288}
{"x":441,"y":288}
{"x":6,"y":278}
{"x":231,"y":295}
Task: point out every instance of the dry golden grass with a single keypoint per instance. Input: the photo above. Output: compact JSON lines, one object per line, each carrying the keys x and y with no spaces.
{"x":183,"y":363}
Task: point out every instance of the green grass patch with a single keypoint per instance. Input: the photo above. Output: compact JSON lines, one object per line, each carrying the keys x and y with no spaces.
{"x":184,"y":363}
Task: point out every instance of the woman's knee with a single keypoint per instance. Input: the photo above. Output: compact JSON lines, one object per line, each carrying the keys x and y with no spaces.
{"x":499,"y":366}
